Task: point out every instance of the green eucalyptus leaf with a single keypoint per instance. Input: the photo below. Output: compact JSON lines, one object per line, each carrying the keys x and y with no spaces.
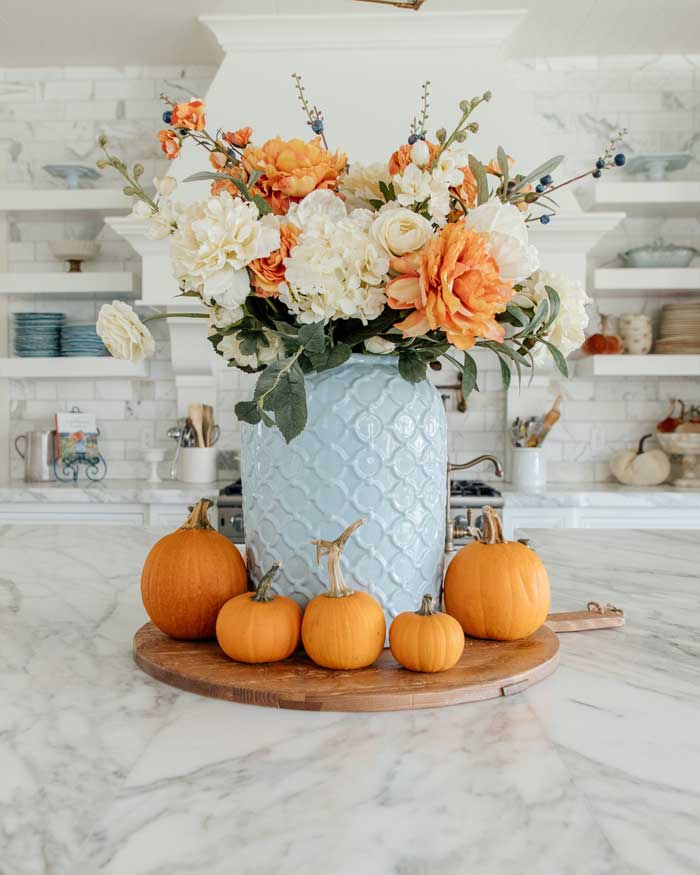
{"x":505,"y":372}
{"x":482,"y":183}
{"x":248,"y":411}
{"x":554,"y":305}
{"x":559,"y":359}
{"x":538,"y":316}
{"x":518,"y":314}
{"x":411,"y":367}
{"x":503,"y":165}
{"x":263,"y":207}
{"x":548,"y":167}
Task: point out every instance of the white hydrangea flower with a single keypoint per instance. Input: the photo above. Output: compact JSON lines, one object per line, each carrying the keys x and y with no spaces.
{"x":218,"y":237}
{"x":335,"y":270}
{"x":319,"y":204}
{"x":568,"y":331}
{"x":508,"y":238}
{"x":230,"y":348}
{"x":361,"y":183}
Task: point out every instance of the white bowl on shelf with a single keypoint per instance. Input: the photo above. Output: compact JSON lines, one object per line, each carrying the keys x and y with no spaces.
{"x":74,"y":252}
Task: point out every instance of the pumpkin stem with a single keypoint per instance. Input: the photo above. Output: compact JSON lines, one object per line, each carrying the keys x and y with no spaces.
{"x":337,"y":588}
{"x":198,"y":519}
{"x":263,"y":592}
{"x":492,"y":528}
{"x":640,"y":448}
{"x":426,"y":606}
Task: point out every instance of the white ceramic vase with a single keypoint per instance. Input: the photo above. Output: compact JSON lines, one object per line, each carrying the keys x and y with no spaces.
{"x":374,"y":446}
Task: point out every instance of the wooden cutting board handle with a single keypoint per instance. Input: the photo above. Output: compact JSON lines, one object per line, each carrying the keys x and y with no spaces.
{"x":594,"y":617}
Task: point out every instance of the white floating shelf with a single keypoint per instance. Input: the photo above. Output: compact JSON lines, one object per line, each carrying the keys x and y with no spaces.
{"x":643,"y":198}
{"x":666,"y":279}
{"x":63,"y":199}
{"x":80,"y":368}
{"x":639,"y":366}
{"x":105,"y":283}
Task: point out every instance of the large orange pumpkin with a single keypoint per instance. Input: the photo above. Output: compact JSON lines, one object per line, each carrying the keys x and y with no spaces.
{"x":189,"y":575}
{"x":342,"y":629}
{"x":426,"y":640}
{"x":259,"y":626}
{"x":495,"y":588}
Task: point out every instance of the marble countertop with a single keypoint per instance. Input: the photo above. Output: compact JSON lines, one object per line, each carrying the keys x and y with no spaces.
{"x":104,"y":770}
{"x":174,"y":492}
{"x":108,"y":492}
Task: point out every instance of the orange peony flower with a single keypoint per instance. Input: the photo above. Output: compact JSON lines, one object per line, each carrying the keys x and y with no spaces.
{"x":269,"y":272}
{"x":401,"y":158}
{"x":239,"y":138}
{"x":169,"y":143}
{"x":454,"y":285}
{"x":188,"y":115}
{"x":292,"y":169}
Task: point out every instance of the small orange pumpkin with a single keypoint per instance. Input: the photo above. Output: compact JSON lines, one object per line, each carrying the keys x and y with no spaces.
{"x":426,"y":640}
{"x":189,"y":575}
{"x":342,"y":629}
{"x":259,"y":626}
{"x":495,"y":588}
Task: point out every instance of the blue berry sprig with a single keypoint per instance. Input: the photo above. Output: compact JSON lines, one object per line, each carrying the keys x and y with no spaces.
{"x":313,"y":114}
{"x":419,"y":128}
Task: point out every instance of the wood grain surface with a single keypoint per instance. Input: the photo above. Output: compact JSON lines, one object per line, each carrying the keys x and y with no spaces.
{"x":486,"y":670}
{"x":581,"y":621}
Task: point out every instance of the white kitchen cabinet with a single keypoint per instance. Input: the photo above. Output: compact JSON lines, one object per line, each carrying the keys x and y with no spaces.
{"x":536,"y":518}
{"x":637,"y":518}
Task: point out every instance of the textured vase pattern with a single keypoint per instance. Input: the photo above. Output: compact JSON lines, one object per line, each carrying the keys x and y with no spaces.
{"x":374,"y":446}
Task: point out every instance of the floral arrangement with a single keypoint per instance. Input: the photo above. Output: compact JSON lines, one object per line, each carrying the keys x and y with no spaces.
{"x":301,"y":259}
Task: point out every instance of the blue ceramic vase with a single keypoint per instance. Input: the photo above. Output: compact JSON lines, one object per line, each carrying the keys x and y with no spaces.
{"x":374,"y":446}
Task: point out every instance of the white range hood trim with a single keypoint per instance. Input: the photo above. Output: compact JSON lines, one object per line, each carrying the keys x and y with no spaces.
{"x":272,"y":33}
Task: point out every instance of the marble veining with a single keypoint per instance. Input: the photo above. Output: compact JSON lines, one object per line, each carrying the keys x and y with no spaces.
{"x":105,"y":770}
{"x":108,"y":492}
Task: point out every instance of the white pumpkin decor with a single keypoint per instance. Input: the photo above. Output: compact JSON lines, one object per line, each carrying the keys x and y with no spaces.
{"x":641,"y":467}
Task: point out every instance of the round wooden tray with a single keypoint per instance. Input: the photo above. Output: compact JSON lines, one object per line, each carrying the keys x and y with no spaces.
{"x":486,"y":670}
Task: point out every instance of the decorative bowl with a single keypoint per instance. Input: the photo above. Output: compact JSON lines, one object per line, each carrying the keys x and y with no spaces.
{"x":74,"y":252}
{"x":73,"y":174}
{"x":659,"y":254}
{"x":687,"y":445}
{"x":655,"y":166}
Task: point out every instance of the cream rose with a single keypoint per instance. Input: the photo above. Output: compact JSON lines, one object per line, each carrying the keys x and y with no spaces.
{"x":123,"y":333}
{"x":398,"y":231}
{"x":230,"y":349}
{"x":507,"y":233}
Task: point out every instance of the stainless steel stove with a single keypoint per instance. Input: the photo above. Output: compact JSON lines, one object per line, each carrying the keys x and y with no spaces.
{"x":464,"y":495}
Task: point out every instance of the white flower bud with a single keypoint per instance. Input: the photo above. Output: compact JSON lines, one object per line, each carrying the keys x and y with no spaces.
{"x":379,"y":346}
{"x":420,"y":153}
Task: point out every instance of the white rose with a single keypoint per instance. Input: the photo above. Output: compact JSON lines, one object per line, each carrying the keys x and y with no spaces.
{"x":123,"y":333}
{"x":420,"y":153}
{"x":229,"y":288}
{"x":508,"y":238}
{"x":379,"y":346}
{"x":165,"y":185}
{"x":398,"y":230}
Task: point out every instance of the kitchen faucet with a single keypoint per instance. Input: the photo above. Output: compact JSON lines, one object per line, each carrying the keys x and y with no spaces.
{"x":451,"y":530}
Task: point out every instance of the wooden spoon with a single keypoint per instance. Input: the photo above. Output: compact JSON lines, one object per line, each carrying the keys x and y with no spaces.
{"x":208,"y":424}
{"x":195,"y":412}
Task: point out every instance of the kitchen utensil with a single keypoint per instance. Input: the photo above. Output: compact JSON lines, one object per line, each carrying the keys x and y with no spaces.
{"x":195,"y":413}
{"x":659,"y":254}
{"x":153,"y":456}
{"x":189,"y":438}
{"x":39,"y":453}
{"x":75,"y":252}
{"x":655,"y":166}
{"x":207,"y":423}
{"x":543,"y":428}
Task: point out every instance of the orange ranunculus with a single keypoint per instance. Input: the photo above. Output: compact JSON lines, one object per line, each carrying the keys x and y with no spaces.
{"x":169,"y":143}
{"x":494,"y":168}
{"x":219,"y":185}
{"x":188,"y":115}
{"x":292,"y":169}
{"x":239,"y":138}
{"x":453,"y":284}
{"x":401,"y":158}
{"x":466,"y":190}
{"x":218,"y":160}
{"x":268,"y":272}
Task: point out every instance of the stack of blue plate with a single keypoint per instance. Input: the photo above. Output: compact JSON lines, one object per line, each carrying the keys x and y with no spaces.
{"x":38,"y":334}
{"x":81,"y":340}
